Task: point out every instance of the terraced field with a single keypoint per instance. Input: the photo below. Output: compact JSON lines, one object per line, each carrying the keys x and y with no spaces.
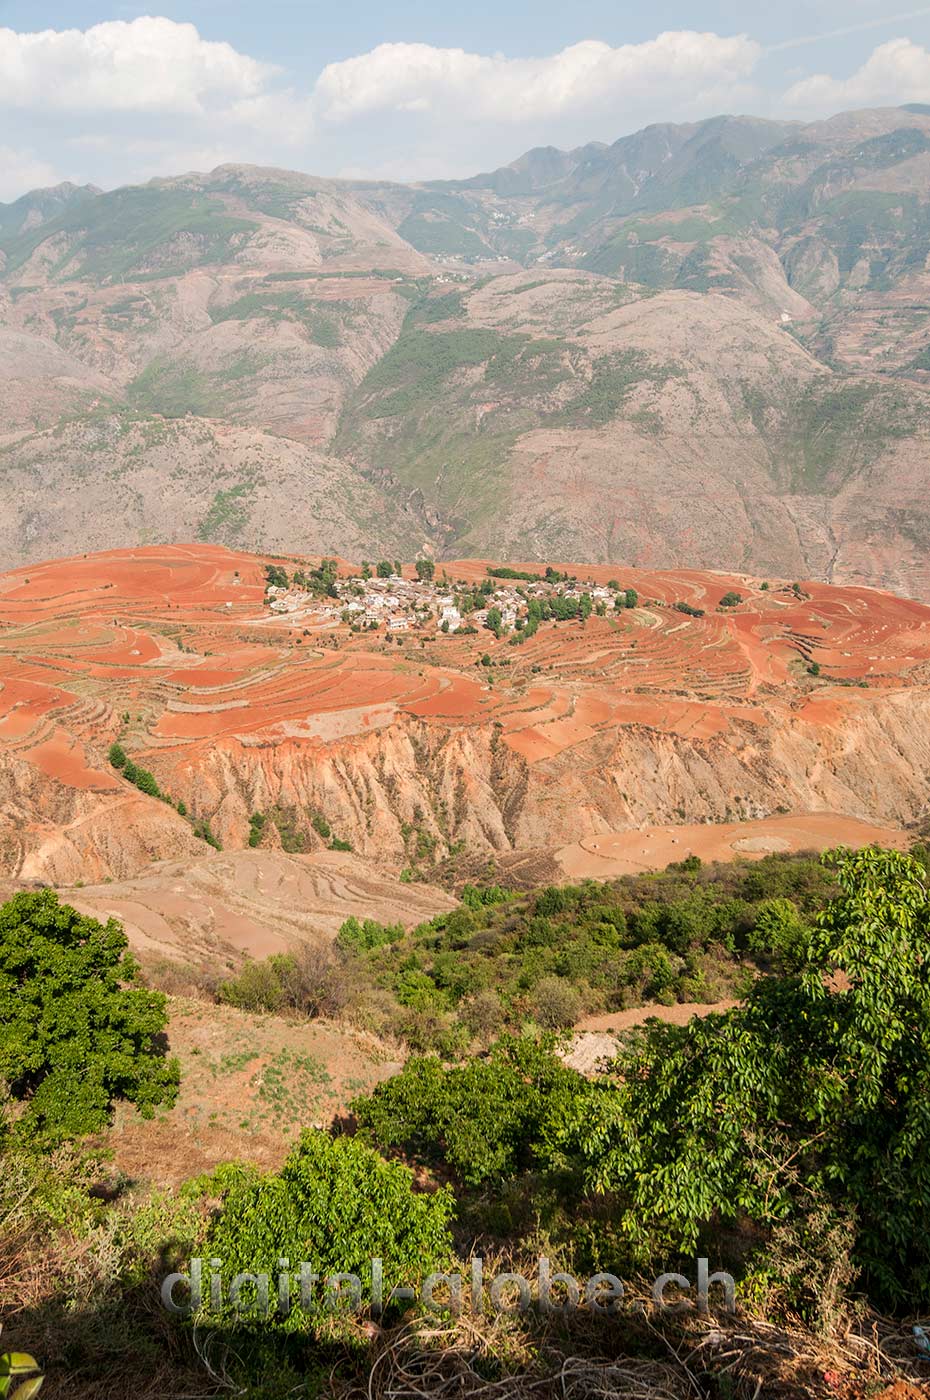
{"x":442,"y":741}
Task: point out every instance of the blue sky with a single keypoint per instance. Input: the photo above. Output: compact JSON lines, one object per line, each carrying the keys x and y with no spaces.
{"x":123,"y":92}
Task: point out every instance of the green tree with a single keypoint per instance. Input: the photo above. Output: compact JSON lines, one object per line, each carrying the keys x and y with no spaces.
{"x":336,"y":1203}
{"x":117,"y":755}
{"x":426,"y":570}
{"x":731,"y":599}
{"x":141,"y":778}
{"x":385,"y":569}
{"x":275,"y":576}
{"x":816,"y":1088}
{"x":74,"y":1038}
{"x":486,"y":1119}
{"x":781,"y":934}
{"x":494,"y":621}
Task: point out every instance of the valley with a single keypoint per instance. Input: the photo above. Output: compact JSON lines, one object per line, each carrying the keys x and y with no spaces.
{"x":465,"y":762}
{"x":703,"y":346}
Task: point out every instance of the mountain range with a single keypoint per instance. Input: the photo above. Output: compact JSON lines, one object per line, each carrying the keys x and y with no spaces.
{"x":702,"y":345}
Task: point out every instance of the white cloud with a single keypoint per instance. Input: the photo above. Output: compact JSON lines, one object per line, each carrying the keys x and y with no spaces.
{"x":481,"y":87}
{"x":124,"y":100}
{"x":20,"y":171}
{"x":896,"y":72}
{"x":145,"y":65}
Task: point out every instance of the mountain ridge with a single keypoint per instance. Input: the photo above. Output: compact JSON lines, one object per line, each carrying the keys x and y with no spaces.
{"x":703,"y":344}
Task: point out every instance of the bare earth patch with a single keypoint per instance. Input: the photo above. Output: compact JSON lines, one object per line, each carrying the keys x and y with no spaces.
{"x":249,"y":1085}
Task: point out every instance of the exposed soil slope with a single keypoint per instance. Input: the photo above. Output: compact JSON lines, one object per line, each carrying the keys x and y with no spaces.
{"x":217,"y":909}
{"x":249,"y":1085}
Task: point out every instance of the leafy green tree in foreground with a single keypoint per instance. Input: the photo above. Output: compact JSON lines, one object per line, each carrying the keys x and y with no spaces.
{"x":73,"y":1038}
{"x":816,"y":1089}
{"x":337,"y":1204}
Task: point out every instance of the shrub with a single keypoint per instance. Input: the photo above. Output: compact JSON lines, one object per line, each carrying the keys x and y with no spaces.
{"x":310,"y":980}
{"x":556,"y":1003}
{"x":117,"y":755}
{"x":780,"y":934}
{"x":336,"y":1204}
{"x":141,"y":778}
{"x":486,"y":1119}
{"x":256,"y":988}
{"x":357,"y":936}
{"x":484,"y":1015}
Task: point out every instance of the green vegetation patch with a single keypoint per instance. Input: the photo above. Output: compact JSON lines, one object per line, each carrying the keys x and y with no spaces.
{"x":229,"y":511}
{"x":434,"y":233}
{"x":613,"y":379}
{"x":282,"y":306}
{"x":841,"y":427}
{"x":116,"y":233}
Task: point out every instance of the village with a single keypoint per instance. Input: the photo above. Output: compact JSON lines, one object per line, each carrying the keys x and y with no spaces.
{"x":385,"y":598}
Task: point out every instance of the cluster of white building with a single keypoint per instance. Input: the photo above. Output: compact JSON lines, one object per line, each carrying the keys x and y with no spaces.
{"x":396,"y":603}
{"x":400,"y":604}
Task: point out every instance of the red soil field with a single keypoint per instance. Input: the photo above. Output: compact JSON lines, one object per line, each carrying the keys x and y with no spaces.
{"x":173,"y":649}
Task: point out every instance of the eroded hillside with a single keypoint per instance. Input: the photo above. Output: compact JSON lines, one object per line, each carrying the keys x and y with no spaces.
{"x":291,"y":730}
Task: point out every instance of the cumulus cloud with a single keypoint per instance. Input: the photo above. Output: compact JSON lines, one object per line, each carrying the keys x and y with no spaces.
{"x":124,"y":100}
{"x":21,"y":171}
{"x":143,"y":65}
{"x":421,"y":78}
{"x":896,"y":72}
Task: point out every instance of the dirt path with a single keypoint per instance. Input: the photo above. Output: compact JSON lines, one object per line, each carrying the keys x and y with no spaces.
{"x":595,"y":1038}
{"x":615,"y":853}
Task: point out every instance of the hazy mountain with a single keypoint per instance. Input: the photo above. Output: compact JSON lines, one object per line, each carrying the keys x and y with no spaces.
{"x":704,"y":344}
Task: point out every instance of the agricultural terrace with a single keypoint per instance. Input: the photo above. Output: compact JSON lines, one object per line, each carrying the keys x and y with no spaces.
{"x":180,"y":648}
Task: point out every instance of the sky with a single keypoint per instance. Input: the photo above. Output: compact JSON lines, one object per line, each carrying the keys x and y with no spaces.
{"x":120,"y":93}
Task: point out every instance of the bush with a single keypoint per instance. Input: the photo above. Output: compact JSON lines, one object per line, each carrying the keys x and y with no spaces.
{"x":486,"y":1119}
{"x":336,"y":1204}
{"x":117,"y":755}
{"x":256,"y":988}
{"x":356,"y":937}
{"x":311,"y":980}
{"x":141,"y":778}
{"x":484,"y":1015}
{"x":556,"y":1003}
{"x":780,"y":934}
{"x":73,"y":1038}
